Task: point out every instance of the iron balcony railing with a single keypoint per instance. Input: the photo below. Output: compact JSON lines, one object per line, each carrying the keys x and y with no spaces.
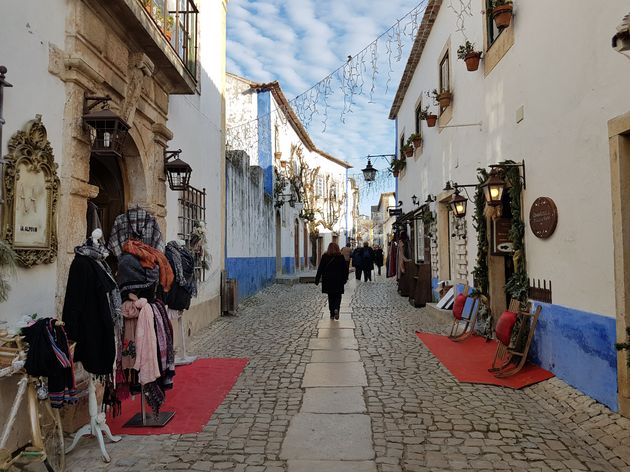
{"x":177,"y":20}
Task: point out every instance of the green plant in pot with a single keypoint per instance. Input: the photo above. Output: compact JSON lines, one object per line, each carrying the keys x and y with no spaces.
{"x":501,"y":11}
{"x":396,"y":166}
{"x":406,"y":150}
{"x":467,"y":53}
{"x":416,"y":140}
{"x":443,"y":98}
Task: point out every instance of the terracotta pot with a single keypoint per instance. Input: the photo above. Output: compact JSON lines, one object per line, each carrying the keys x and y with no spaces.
{"x":431,"y":120}
{"x":395,"y":173}
{"x":409,"y":152}
{"x":472,"y":61}
{"x":168,"y":35}
{"x":444,"y":99}
{"x":417,"y":143}
{"x":502,"y":16}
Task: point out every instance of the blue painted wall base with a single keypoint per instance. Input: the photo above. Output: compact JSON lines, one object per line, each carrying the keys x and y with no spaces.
{"x":579,"y":348}
{"x":253,"y":273}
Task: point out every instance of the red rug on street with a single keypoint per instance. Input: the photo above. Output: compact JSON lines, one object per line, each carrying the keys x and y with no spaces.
{"x":469,"y":361}
{"x":199,"y":389}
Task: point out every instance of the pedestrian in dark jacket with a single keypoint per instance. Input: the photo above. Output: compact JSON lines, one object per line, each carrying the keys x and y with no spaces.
{"x":378,"y":258}
{"x":333,"y":272}
{"x":367,"y":261}
{"x":356,"y":262}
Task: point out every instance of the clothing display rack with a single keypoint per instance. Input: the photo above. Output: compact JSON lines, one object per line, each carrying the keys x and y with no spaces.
{"x":140,"y":420}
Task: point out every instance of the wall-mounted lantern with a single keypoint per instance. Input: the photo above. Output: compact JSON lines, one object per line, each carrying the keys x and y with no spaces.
{"x":415,"y":200}
{"x":369,"y":173}
{"x":108,"y":131}
{"x":177,"y":171}
{"x":495,"y":185}
{"x":458,"y":204}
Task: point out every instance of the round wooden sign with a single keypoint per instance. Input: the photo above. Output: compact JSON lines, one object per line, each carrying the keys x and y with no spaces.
{"x":543,"y":217}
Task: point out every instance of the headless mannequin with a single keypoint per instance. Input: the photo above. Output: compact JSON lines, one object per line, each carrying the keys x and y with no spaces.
{"x":97,"y":425}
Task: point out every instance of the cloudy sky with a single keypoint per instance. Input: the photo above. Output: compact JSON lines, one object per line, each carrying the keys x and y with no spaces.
{"x":300,"y":42}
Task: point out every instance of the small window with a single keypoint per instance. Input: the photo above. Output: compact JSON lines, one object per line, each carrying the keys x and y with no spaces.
{"x":444,"y":74}
{"x":319,"y":186}
{"x":493,"y":31}
{"x":402,"y":143}
{"x":418,"y":117}
{"x":192,"y":211}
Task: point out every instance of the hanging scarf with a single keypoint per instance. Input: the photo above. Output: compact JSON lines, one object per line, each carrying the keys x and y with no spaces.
{"x":150,"y":257}
{"x":183,"y":263}
{"x":164,"y":331}
{"x":146,"y":344}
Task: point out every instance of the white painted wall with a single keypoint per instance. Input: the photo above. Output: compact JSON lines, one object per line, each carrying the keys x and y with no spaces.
{"x":197,"y":125}
{"x":569,"y":81}
{"x":34,"y":26}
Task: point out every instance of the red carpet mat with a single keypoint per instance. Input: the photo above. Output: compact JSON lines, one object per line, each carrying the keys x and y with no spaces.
{"x":198,"y":391}
{"x":469,"y":361}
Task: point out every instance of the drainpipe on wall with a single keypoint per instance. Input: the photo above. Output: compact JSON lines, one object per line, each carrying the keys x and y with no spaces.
{"x":396,"y":153}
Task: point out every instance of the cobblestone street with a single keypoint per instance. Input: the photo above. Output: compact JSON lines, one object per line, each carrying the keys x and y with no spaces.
{"x":421,"y":418}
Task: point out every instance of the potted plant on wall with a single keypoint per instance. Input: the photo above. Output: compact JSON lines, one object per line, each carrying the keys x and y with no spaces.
{"x":429,"y":117}
{"x":501,"y":11}
{"x":407,"y":150}
{"x":396,"y":166}
{"x":467,"y":53}
{"x":416,"y":140}
{"x":443,"y":97}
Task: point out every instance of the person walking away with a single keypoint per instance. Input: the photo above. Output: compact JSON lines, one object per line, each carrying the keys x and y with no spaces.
{"x":333,"y":273}
{"x":367,"y":261}
{"x":346,"y":252}
{"x":378,"y":258}
{"x":356,"y":262}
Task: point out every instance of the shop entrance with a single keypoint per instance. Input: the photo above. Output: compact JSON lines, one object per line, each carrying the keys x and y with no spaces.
{"x":105,"y":173}
{"x":500,"y":265}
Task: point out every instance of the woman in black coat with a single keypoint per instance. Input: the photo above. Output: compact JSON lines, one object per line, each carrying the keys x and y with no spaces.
{"x":333,"y":272}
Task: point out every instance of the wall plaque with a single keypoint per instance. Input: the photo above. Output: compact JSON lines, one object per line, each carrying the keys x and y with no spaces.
{"x":32,"y":191}
{"x":543,"y":217}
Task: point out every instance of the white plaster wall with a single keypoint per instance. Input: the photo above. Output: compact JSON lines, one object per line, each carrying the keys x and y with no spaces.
{"x":197,"y":125}
{"x":34,"y":26}
{"x":570,"y":82}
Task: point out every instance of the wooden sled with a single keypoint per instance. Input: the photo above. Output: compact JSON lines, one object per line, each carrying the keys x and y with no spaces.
{"x":510,"y":360}
{"x":467,"y":321}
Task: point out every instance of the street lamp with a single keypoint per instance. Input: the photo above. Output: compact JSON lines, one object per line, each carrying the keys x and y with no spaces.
{"x":415,"y":200}
{"x":458,"y":204}
{"x":177,"y":171}
{"x":369,"y":173}
{"x":495,"y":185}
{"x":108,"y":130}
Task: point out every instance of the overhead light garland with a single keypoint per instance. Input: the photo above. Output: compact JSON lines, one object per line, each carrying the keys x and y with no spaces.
{"x":356,"y":77}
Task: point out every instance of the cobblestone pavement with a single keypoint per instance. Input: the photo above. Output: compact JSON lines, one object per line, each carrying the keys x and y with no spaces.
{"x":422,"y":419}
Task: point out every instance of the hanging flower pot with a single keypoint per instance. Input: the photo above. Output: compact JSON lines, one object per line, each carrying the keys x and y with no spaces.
{"x":417,"y":142}
{"x":408,"y":151}
{"x":502,"y":15}
{"x":444,"y":99}
{"x":472,"y":61}
{"x":431,"y":120}
{"x":395,"y":173}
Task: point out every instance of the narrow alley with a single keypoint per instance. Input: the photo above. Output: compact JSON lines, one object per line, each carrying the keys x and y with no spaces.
{"x":318,"y":395}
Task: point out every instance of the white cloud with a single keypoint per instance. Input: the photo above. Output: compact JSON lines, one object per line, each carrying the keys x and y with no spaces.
{"x":299,"y":42}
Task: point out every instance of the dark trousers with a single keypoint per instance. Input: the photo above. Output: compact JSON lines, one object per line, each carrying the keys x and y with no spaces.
{"x":379,"y":270}
{"x":357,"y":272}
{"x":367,"y":274}
{"x":334,"y":302}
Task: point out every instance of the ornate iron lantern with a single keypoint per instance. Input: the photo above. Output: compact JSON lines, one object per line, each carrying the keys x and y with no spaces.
{"x":177,"y":171}
{"x":458,"y":204}
{"x":493,"y":188}
{"x":369,"y":173}
{"x":108,"y":131}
